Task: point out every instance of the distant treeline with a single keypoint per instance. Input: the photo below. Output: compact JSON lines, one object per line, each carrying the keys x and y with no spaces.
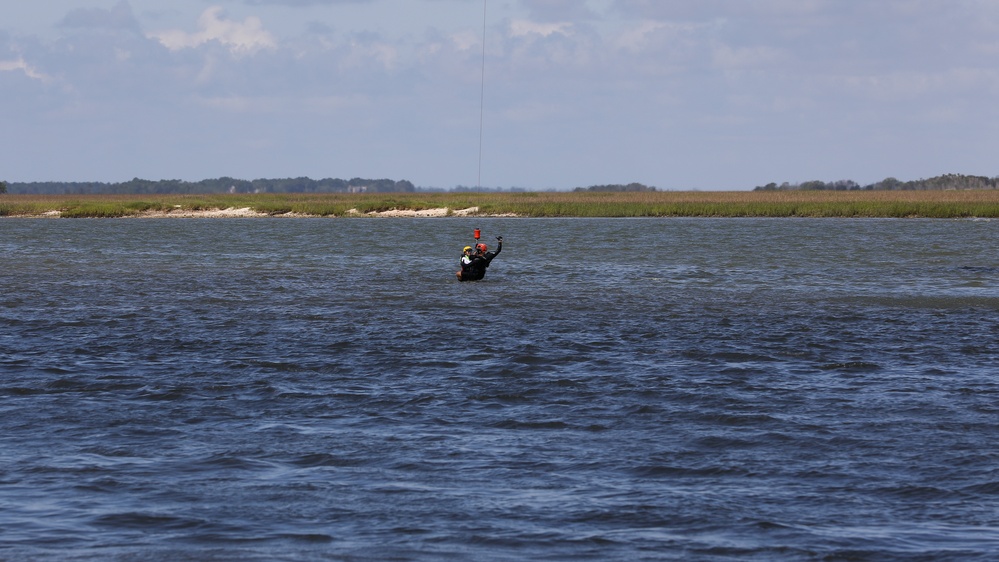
{"x":944,"y":182}
{"x":617,"y":187}
{"x":476,"y":189}
{"x":220,"y":185}
{"x":139,"y":186}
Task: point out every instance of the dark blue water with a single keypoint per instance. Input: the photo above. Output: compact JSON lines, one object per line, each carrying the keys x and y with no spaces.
{"x":324,"y":389}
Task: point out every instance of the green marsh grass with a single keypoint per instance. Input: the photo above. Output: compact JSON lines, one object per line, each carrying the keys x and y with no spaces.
{"x":898,"y":204}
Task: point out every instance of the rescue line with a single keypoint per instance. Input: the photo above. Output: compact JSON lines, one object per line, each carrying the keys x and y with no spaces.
{"x":475,"y":259}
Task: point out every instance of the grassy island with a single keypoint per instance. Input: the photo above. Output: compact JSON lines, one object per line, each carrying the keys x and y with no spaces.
{"x":873,"y":204}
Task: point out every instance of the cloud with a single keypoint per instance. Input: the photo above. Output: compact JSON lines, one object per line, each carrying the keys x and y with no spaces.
{"x":744,"y":80}
{"x":649,"y":35}
{"x":243,"y":37}
{"x":362,"y":53}
{"x":520,"y":28}
{"x":303,"y":3}
{"x":708,"y":9}
{"x":22,"y":66}
{"x":120,"y":17}
{"x":559,"y":10}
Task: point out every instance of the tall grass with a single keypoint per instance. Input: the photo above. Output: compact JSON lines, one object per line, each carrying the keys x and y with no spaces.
{"x":901,"y":204}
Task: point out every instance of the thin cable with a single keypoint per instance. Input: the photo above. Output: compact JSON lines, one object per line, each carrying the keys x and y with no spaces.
{"x":482,"y":92}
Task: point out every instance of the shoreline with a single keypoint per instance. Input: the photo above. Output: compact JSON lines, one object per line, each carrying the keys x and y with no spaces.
{"x":900,"y":204}
{"x":247,"y":212}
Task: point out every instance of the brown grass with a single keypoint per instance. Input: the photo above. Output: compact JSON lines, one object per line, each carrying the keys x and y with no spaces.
{"x":938,"y":204}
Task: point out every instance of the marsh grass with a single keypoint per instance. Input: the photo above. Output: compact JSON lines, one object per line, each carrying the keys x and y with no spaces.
{"x":899,"y":204}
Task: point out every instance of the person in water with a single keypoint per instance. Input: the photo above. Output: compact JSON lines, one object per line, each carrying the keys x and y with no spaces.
{"x":466,"y":259}
{"x":475,"y":261}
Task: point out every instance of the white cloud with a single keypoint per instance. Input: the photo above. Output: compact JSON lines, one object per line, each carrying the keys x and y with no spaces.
{"x":648,"y":34}
{"x":247,"y":36}
{"x":749,"y":79}
{"x":673,"y":10}
{"x":520,"y":28}
{"x":467,"y":40}
{"x":362,"y":53}
{"x":22,"y":66}
{"x":636,"y":38}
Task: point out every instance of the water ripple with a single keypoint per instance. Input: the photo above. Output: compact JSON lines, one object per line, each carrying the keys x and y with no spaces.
{"x":269,"y":390}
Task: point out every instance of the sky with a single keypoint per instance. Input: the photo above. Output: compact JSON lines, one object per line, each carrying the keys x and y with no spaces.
{"x":675,"y":94}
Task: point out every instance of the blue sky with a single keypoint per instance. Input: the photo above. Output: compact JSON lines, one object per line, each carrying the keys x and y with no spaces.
{"x":678,"y":94}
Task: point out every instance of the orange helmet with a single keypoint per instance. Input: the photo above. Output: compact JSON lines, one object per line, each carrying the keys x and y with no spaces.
{"x":481,"y":247}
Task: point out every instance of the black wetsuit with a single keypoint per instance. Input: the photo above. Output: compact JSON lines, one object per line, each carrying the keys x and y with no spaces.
{"x":477,"y":269}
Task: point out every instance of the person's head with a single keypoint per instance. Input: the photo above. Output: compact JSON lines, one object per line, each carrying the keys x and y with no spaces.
{"x":467,"y":250}
{"x":481,"y":248}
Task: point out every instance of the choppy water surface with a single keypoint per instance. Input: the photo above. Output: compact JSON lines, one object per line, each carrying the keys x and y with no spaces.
{"x":299,"y":389}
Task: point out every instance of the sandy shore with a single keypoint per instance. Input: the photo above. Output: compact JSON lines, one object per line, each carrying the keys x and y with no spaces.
{"x":247,"y":212}
{"x":441,"y":212}
{"x":213,"y":213}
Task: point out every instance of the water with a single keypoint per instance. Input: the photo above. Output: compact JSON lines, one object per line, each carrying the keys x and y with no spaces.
{"x":324,"y":389}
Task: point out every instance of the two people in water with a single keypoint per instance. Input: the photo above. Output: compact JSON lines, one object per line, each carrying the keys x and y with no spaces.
{"x":474,"y":261}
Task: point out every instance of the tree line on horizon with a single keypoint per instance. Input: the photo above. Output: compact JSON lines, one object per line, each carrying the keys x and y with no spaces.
{"x":360,"y":185}
{"x":218,"y":185}
{"x":944,"y":182}
{"x":634,"y":186}
{"x":139,"y":186}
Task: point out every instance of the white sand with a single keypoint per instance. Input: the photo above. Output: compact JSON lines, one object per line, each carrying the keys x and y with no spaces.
{"x":246,"y":212}
{"x":213,"y":213}
{"x":441,"y":212}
